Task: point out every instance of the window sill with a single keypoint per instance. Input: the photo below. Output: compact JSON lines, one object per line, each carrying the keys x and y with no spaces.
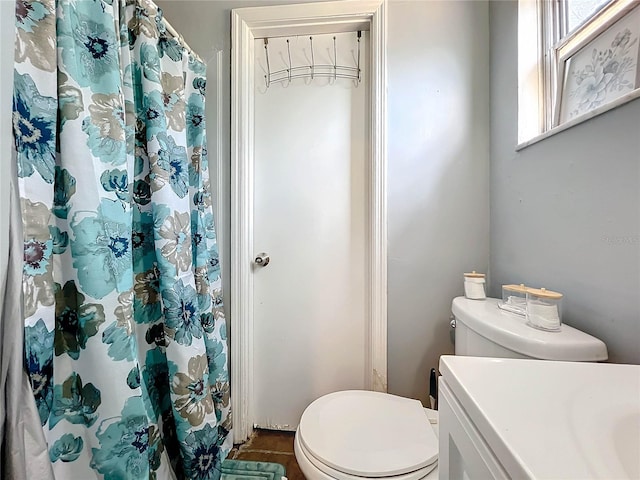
{"x":582,"y":118}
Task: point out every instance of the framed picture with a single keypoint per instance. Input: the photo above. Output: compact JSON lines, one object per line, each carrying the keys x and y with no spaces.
{"x":602,"y":71}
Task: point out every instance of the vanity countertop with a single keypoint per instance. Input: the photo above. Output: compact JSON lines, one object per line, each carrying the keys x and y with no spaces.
{"x":552,"y":420}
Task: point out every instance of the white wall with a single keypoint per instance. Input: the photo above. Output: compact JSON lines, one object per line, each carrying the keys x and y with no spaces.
{"x":7,"y":20}
{"x":565,"y":212}
{"x":438,"y":120}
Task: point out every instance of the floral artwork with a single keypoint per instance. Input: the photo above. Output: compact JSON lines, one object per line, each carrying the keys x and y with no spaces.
{"x":604,"y":70}
{"x":125,"y":333}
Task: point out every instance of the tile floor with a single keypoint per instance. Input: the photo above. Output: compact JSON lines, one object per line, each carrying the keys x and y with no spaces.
{"x":270,"y":446}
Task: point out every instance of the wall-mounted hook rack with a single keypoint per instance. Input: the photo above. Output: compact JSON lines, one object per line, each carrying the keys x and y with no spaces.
{"x":313,"y":70}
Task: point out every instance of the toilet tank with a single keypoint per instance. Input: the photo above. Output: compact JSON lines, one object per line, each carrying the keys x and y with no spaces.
{"x":484,"y":330}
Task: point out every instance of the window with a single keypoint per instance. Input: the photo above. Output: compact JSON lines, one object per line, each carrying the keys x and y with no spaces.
{"x":577,"y":12}
{"x":576,"y":59}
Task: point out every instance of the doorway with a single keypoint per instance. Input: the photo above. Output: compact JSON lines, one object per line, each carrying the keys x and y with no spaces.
{"x":260,"y":291}
{"x":309,"y":301}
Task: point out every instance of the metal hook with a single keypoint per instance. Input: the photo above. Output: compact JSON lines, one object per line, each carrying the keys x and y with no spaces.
{"x":313,"y":62}
{"x":289,"y":52}
{"x":359,"y":37}
{"x":267,"y":77}
{"x":335,"y":60}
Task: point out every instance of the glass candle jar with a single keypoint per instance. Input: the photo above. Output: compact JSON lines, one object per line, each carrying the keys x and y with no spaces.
{"x":544,"y":309}
{"x":474,"y":286}
{"x":514,"y":299}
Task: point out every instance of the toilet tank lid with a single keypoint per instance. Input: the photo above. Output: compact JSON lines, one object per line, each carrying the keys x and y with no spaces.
{"x":510,"y":331}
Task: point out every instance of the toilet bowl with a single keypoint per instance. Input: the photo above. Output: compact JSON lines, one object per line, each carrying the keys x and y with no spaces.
{"x":355,"y":435}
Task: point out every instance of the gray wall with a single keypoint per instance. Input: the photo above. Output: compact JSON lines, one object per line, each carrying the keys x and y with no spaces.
{"x":565,"y":212}
{"x":438,"y":176}
{"x":438,"y":148}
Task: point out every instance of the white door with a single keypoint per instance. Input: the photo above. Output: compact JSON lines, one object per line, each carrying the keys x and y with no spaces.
{"x":309,"y":217}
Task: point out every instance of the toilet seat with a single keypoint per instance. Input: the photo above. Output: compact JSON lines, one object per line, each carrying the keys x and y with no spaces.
{"x":308,"y":462}
{"x":355,"y":434}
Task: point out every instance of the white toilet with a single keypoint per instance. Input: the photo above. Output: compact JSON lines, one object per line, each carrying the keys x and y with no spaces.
{"x":354,"y":435}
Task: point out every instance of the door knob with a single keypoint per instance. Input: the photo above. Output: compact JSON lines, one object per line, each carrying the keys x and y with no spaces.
{"x":262,"y":259}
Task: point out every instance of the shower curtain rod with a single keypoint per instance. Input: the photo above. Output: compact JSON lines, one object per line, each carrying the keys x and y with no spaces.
{"x":174,"y":33}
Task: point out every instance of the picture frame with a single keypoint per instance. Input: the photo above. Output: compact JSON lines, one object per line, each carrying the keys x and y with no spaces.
{"x":599,"y":68}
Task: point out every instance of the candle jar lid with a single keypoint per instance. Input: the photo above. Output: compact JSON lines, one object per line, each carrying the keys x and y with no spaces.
{"x":515,"y":288}
{"x":544,"y":293}
{"x":474,"y":274}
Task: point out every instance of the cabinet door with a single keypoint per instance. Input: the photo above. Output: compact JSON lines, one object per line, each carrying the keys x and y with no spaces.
{"x":463,"y":455}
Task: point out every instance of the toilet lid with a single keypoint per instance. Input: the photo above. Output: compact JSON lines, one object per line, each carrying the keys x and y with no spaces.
{"x":310,"y":466}
{"x":369,"y":434}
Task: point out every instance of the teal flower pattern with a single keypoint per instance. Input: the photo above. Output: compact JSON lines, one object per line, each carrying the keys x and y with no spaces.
{"x":121,"y":344}
{"x":119,"y":336}
{"x":116,"y":181}
{"x":66,"y":449}
{"x":156,"y":379}
{"x":150,"y":62}
{"x":102,"y":249}
{"x":176,"y":249}
{"x":197,"y":67}
{"x":182,"y":319}
{"x":39,"y":364}
{"x":89,"y":47}
{"x":172,"y":167}
{"x":153,"y":113}
{"x":106,"y":128}
{"x":170,"y":47}
{"x":125,"y":335}
{"x":200,"y":84}
{"x":63,"y":189}
{"x":76,"y":321}
{"x":59,"y":240}
{"x":133,"y":379}
{"x":143,"y":241}
{"x":218,"y":357}
{"x":75,"y":402}
{"x":136,"y":442}
{"x":195,"y":120}
{"x":142,"y":192}
{"x":34,"y":128}
{"x":155,"y":335}
{"x":203,"y":454}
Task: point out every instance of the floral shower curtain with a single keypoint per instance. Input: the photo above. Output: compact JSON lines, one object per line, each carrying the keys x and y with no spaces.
{"x":125,"y":335}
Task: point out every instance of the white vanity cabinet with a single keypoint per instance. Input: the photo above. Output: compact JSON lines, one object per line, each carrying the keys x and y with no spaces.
{"x":535,"y":419}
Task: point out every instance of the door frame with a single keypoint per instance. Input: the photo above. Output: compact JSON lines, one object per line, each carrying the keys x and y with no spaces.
{"x":250,"y":23}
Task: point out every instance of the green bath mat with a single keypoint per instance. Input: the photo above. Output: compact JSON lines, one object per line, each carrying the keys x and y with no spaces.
{"x":245,"y":470}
